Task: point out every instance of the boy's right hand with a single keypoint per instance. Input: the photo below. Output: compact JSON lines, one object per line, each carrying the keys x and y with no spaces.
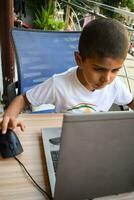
{"x":10,"y":116}
{"x":12,"y":123}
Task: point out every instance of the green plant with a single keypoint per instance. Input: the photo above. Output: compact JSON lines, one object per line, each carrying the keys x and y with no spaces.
{"x":44,"y":18}
{"x":35,"y":5}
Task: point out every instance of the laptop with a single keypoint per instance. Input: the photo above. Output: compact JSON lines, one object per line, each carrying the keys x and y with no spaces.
{"x":96,"y":156}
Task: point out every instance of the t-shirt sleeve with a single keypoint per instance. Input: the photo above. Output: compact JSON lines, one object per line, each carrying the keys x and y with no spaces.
{"x":42,"y":93}
{"x":123,"y":96}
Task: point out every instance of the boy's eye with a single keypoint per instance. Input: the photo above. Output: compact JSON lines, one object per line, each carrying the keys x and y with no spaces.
{"x":102,"y":70}
{"x":98,"y":69}
{"x":115,"y":70}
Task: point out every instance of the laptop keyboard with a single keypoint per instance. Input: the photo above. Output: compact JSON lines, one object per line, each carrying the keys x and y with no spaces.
{"x":55,"y":156}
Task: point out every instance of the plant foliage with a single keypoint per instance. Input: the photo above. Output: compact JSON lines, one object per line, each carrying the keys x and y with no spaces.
{"x":43,"y":15}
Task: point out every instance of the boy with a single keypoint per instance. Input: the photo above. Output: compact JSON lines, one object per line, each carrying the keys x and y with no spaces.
{"x":92,"y":85}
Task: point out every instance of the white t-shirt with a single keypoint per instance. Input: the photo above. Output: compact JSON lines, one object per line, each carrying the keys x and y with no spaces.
{"x":67,"y":94}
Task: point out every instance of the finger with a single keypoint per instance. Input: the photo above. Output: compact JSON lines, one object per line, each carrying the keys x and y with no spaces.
{"x":21,"y":125}
{"x":13,"y":124}
{"x":5,"y":123}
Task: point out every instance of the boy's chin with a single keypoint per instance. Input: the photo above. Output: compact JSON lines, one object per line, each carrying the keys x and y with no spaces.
{"x":97,"y":87}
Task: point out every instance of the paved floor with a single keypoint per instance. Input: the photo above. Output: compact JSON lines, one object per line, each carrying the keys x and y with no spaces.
{"x":128,"y":71}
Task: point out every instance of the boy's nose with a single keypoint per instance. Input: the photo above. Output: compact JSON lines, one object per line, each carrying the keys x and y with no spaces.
{"x":106,"y":77}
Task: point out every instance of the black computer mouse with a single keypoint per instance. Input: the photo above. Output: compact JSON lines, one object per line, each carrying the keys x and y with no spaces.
{"x":10,"y":145}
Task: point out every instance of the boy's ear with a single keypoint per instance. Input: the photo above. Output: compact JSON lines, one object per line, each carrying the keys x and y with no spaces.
{"x":78,"y":58}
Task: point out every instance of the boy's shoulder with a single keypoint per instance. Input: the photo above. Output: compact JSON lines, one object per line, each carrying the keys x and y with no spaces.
{"x":117,"y":84}
{"x":67,"y":74}
{"x":117,"y":81}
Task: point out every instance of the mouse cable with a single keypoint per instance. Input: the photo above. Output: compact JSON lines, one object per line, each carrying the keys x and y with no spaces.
{"x":36,"y":184}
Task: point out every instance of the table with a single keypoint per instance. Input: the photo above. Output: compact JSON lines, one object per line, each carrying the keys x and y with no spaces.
{"x":14,"y":183}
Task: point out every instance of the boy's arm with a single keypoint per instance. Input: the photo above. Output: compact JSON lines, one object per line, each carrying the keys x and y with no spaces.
{"x":10,"y":115}
{"x":131,"y":105}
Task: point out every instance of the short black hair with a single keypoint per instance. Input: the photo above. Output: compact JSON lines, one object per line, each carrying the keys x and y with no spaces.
{"x":104,"y":37}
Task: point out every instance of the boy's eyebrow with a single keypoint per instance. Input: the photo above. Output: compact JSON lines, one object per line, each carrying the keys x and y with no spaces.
{"x":101,"y":67}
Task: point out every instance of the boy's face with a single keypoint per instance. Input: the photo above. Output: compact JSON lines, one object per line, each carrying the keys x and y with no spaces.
{"x":96,"y":73}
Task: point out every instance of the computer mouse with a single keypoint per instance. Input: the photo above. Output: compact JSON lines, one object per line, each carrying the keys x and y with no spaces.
{"x":10,"y":145}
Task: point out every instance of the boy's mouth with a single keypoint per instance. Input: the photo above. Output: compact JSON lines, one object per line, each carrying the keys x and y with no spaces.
{"x":100,"y":85}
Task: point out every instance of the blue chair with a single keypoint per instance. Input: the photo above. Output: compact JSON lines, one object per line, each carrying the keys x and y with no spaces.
{"x":39,"y":55}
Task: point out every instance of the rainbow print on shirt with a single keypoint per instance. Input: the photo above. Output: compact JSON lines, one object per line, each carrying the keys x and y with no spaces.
{"x":83,"y":108}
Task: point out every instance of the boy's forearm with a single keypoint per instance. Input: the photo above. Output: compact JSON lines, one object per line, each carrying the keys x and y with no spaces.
{"x":16,"y":106}
{"x":131,"y":105}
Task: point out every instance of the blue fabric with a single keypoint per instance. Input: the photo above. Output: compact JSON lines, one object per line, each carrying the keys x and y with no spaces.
{"x":41,"y":54}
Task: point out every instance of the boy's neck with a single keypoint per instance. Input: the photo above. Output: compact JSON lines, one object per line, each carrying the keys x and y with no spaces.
{"x":82,"y":80}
